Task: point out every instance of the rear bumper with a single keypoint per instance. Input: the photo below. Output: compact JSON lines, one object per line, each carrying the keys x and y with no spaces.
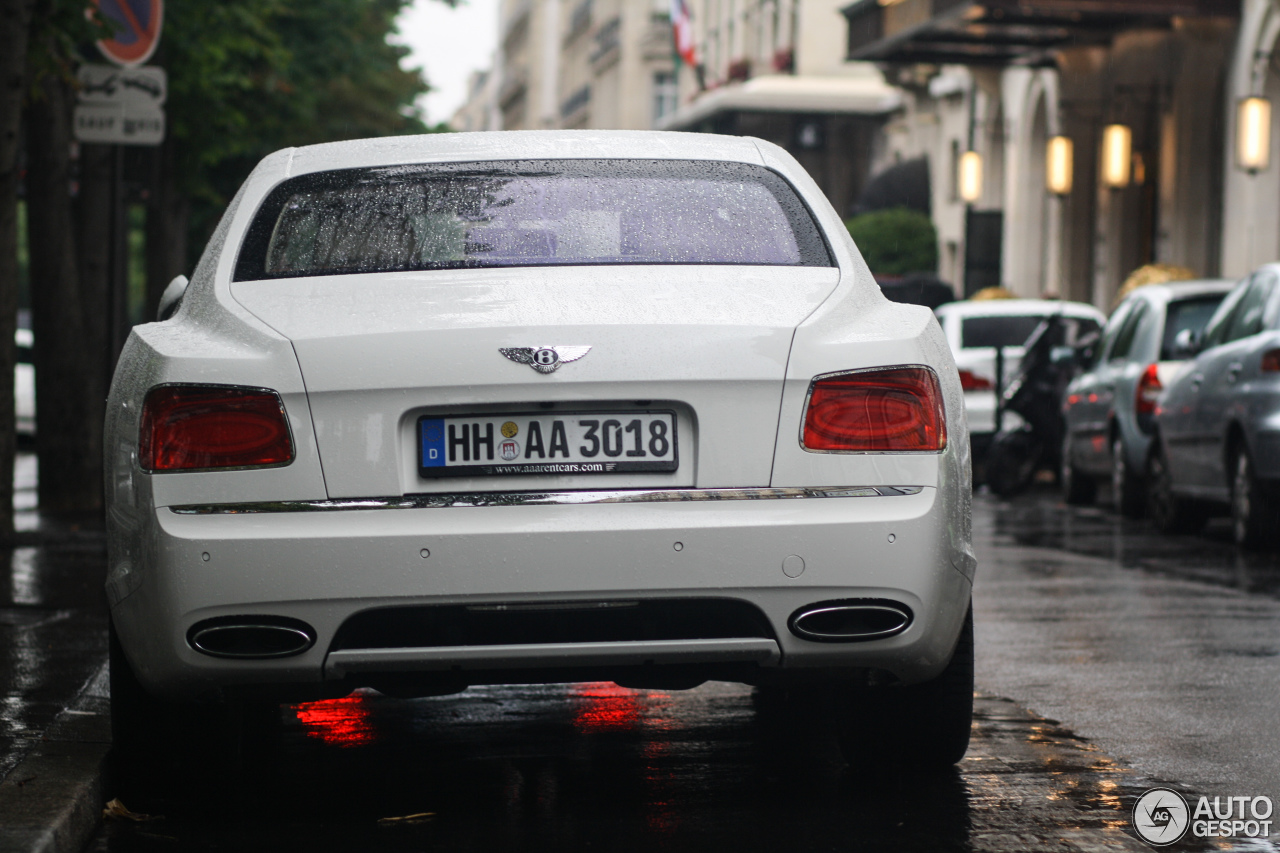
{"x":329,"y":564}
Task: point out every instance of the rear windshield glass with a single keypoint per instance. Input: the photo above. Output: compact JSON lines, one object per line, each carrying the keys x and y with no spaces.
{"x":1190,"y":314}
{"x":1011,"y":331}
{"x":530,"y":213}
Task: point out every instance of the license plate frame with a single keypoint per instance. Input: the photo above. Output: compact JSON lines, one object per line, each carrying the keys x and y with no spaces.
{"x":568,"y":434}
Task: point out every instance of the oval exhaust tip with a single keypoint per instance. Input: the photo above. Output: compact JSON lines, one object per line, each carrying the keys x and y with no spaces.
{"x":251,"y":637}
{"x":850,"y":621}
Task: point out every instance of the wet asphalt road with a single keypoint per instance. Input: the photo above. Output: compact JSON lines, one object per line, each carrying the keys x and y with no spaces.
{"x":1145,"y":660}
{"x":1162,"y":650}
{"x":53,"y":619}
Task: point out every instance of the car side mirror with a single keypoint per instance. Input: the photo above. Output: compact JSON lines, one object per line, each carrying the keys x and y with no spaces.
{"x":1186,"y":344}
{"x":171,"y":299}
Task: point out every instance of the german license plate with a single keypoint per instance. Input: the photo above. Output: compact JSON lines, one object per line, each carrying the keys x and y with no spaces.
{"x":563,"y":443}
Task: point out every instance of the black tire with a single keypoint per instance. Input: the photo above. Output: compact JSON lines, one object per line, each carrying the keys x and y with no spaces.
{"x":922,"y":726}
{"x":1011,"y":462}
{"x":146,"y":730}
{"x":1077,"y":488}
{"x":1253,"y":513}
{"x":1126,"y":486}
{"x":1168,"y":512}
{"x":137,"y":718}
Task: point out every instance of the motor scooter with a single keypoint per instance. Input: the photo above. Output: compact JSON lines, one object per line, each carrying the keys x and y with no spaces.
{"x":1034,"y":392}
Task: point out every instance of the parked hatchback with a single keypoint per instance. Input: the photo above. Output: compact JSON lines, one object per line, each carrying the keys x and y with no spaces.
{"x":1218,"y":423}
{"x":1110,"y":407}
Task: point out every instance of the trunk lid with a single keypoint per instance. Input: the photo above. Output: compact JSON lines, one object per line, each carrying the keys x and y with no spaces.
{"x":378,"y":352}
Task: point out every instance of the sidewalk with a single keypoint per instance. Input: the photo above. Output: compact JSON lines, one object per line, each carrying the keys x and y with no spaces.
{"x":54,"y":723}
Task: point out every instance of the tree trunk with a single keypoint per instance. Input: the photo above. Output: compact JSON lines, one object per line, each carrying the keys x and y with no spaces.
{"x":168,"y":215}
{"x":93,"y":219}
{"x":15,"y":28}
{"x":70,"y":479}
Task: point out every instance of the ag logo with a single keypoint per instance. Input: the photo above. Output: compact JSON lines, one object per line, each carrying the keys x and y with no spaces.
{"x":544,"y":359}
{"x":1160,"y":817}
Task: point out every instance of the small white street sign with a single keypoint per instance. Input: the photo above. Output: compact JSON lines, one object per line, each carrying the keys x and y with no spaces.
{"x":147,"y":86}
{"x":119,"y":124}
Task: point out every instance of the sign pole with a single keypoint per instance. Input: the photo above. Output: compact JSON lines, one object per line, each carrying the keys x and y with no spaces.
{"x":122,"y":104}
{"x":118,"y":296}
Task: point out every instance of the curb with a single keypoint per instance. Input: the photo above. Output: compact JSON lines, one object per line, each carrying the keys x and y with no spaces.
{"x":52,"y":801}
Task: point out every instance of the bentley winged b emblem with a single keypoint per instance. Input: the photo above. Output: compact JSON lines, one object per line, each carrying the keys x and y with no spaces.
{"x":544,"y":359}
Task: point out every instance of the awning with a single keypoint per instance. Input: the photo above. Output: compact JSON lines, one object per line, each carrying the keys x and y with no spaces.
{"x":1003,"y":32}
{"x":784,"y":93}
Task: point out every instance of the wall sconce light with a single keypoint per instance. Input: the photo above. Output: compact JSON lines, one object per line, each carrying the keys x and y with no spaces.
{"x":1253,"y":134}
{"x":970,"y":178}
{"x":1117,"y":155}
{"x":1139,"y":169}
{"x":1059,"y":165}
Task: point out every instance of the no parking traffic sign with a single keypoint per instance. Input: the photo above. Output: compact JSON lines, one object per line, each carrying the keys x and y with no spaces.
{"x":137,"y":29}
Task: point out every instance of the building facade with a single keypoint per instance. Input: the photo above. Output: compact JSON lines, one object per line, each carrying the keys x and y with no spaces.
{"x":768,"y":68}
{"x":775,"y":69}
{"x":1251,"y":209}
{"x":578,"y":64}
{"x":1135,"y":91}
{"x":480,"y":110}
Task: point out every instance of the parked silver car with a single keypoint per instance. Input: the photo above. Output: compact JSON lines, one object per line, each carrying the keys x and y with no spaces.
{"x":1110,"y":407}
{"x":1218,"y":423}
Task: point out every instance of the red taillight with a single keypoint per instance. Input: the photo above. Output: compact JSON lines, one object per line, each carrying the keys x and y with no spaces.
{"x":970,"y":381}
{"x":1271,"y":361}
{"x":1148,"y":391}
{"x":896,"y":409}
{"x":186,"y":427}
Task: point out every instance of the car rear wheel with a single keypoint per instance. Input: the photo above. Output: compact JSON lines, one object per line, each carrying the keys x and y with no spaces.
{"x":136,"y":716}
{"x":1077,"y":488}
{"x":1168,"y":512}
{"x":1253,"y":513}
{"x":1126,"y":485}
{"x":146,"y":730}
{"x":921,"y":726}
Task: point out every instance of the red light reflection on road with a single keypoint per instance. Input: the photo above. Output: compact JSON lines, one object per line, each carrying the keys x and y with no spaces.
{"x":661,"y":813}
{"x":603,"y":706}
{"x":338,"y":722}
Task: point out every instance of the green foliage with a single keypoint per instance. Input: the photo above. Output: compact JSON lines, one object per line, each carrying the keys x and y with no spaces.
{"x":58,"y":29}
{"x":253,"y":76}
{"x":137,"y":263}
{"x":896,"y":242}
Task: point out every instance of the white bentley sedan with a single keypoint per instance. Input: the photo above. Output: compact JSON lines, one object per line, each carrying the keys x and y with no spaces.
{"x":523,"y":407}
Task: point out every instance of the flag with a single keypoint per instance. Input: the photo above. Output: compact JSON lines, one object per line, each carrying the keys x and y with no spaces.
{"x":682,"y":26}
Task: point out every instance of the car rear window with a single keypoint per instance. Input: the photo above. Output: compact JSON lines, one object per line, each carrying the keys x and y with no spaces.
{"x":529,"y":213}
{"x":1010,"y":331}
{"x":1190,"y":314}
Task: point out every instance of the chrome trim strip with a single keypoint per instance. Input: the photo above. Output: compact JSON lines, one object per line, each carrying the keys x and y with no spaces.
{"x":745,"y":649}
{"x":617,"y":496}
